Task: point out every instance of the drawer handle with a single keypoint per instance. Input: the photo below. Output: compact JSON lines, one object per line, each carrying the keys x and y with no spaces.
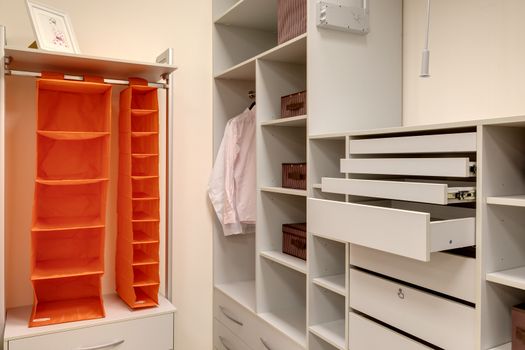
{"x":223,"y":342}
{"x":104,"y":346}
{"x":223,"y":310}
{"x":266,"y":346}
{"x":400,"y":294}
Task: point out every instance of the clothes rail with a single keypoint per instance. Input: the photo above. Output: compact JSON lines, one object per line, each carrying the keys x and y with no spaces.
{"x":80,"y":78}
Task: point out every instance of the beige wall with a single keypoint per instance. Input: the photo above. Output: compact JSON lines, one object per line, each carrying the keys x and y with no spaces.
{"x":140,"y":30}
{"x":477,"y":60}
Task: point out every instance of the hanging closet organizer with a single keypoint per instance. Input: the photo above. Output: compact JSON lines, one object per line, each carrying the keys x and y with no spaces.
{"x":69,"y":208}
{"x":137,"y":261}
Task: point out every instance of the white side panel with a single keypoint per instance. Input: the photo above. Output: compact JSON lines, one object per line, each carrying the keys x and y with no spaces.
{"x":367,"y":335}
{"x":451,"y":234}
{"x":445,"y":273}
{"x":2,"y":177}
{"x":396,"y":231}
{"x":453,"y":167}
{"x":407,"y":191}
{"x":445,"y":143}
{"x":439,"y":321}
{"x":355,"y":81}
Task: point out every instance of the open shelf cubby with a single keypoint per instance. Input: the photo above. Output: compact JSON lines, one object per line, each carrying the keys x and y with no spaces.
{"x":503,"y":248}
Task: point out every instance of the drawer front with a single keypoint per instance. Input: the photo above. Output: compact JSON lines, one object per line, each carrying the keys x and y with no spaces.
{"x":233,"y":315}
{"x":445,"y":273}
{"x":445,"y":143}
{"x":437,"y":320}
{"x":146,"y":333}
{"x":266,"y":337}
{"x":224,"y":339}
{"x":402,"y":232}
{"x":365,"y":334}
{"x":423,"y":192}
{"x":446,"y":167}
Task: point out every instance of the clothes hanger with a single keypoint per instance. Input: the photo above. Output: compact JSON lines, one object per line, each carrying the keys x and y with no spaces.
{"x":251,"y":95}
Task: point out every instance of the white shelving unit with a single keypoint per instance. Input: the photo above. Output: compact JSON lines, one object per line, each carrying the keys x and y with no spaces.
{"x":120,"y":323}
{"x":343,"y":85}
{"x":511,"y":201}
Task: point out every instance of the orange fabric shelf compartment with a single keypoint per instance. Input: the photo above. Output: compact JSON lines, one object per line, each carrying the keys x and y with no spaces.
{"x":69,"y":208}
{"x":82,"y":152}
{"x":67,"y":299}
{"x":63,"y":205}
{"x":137,"y":261}
{"x":67,"y":253}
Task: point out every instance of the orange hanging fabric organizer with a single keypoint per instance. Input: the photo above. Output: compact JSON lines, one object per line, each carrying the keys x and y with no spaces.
{"x":69,"y":208}
{"x":137,"y":260}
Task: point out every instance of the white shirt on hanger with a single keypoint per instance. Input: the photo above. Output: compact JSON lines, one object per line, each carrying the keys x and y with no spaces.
{"x":232,"y":185}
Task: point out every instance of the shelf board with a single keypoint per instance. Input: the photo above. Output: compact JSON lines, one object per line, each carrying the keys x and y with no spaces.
{"x":35,"y":60}
{"x":286,"y":260}
{"x":283,"y":190}
{"x":317,"y":186}
{"x":507,"y":346}
{"x":299,"y":121}
{"x":513,"y":278}
{"x":116,"y":311}
{"x":242,"y":71}
{"x":241,"y":292}
{"x":334,"y":136}
{"x":254,"y":14}
{"x":513,"y":201}
{"x":334,"y":283}
{"x":53,"y":269}
{"x":333,"y":333}
{"x":291,"y":322}
{"x":292,"y":51}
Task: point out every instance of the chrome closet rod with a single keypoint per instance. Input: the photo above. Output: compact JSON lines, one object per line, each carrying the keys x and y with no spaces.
{"x":21,"y":73}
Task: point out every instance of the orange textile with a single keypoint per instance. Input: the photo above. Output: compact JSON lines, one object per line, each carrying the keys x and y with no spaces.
{"x":69,"y":206}
{"x":137,"y":260}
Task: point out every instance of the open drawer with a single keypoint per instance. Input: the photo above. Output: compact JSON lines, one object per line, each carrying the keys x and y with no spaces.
{"x":445,"y":167}
{"x":400,"y":228}
{"x":462,"y":142}
{"x":424,"y":192}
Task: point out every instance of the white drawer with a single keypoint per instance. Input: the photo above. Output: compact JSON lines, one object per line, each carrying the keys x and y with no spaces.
{"x":437,"y":320}
{"x":398,"y":231}
{"x":443,"y":143}
{"x":224,"y":339}
{"x":446,"y":167}
{"x":365,"y":334}
{"x":249,"y":327}
{"x":449,"y":274}
{"x":266,"y":337}
{"x":145,"y":333}
{"x":424,"y":192}
{"x":234,"y":316}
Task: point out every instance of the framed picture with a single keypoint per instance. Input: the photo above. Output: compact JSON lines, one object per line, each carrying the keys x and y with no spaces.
{"x":52,"y":27}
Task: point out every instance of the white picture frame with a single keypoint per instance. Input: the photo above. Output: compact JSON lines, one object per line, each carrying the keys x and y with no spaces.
{"x":52,"y":27}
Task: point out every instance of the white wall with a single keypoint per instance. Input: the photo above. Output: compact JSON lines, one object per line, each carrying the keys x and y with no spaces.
{"x":141,"y":30}
{"x":477,"y":60}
